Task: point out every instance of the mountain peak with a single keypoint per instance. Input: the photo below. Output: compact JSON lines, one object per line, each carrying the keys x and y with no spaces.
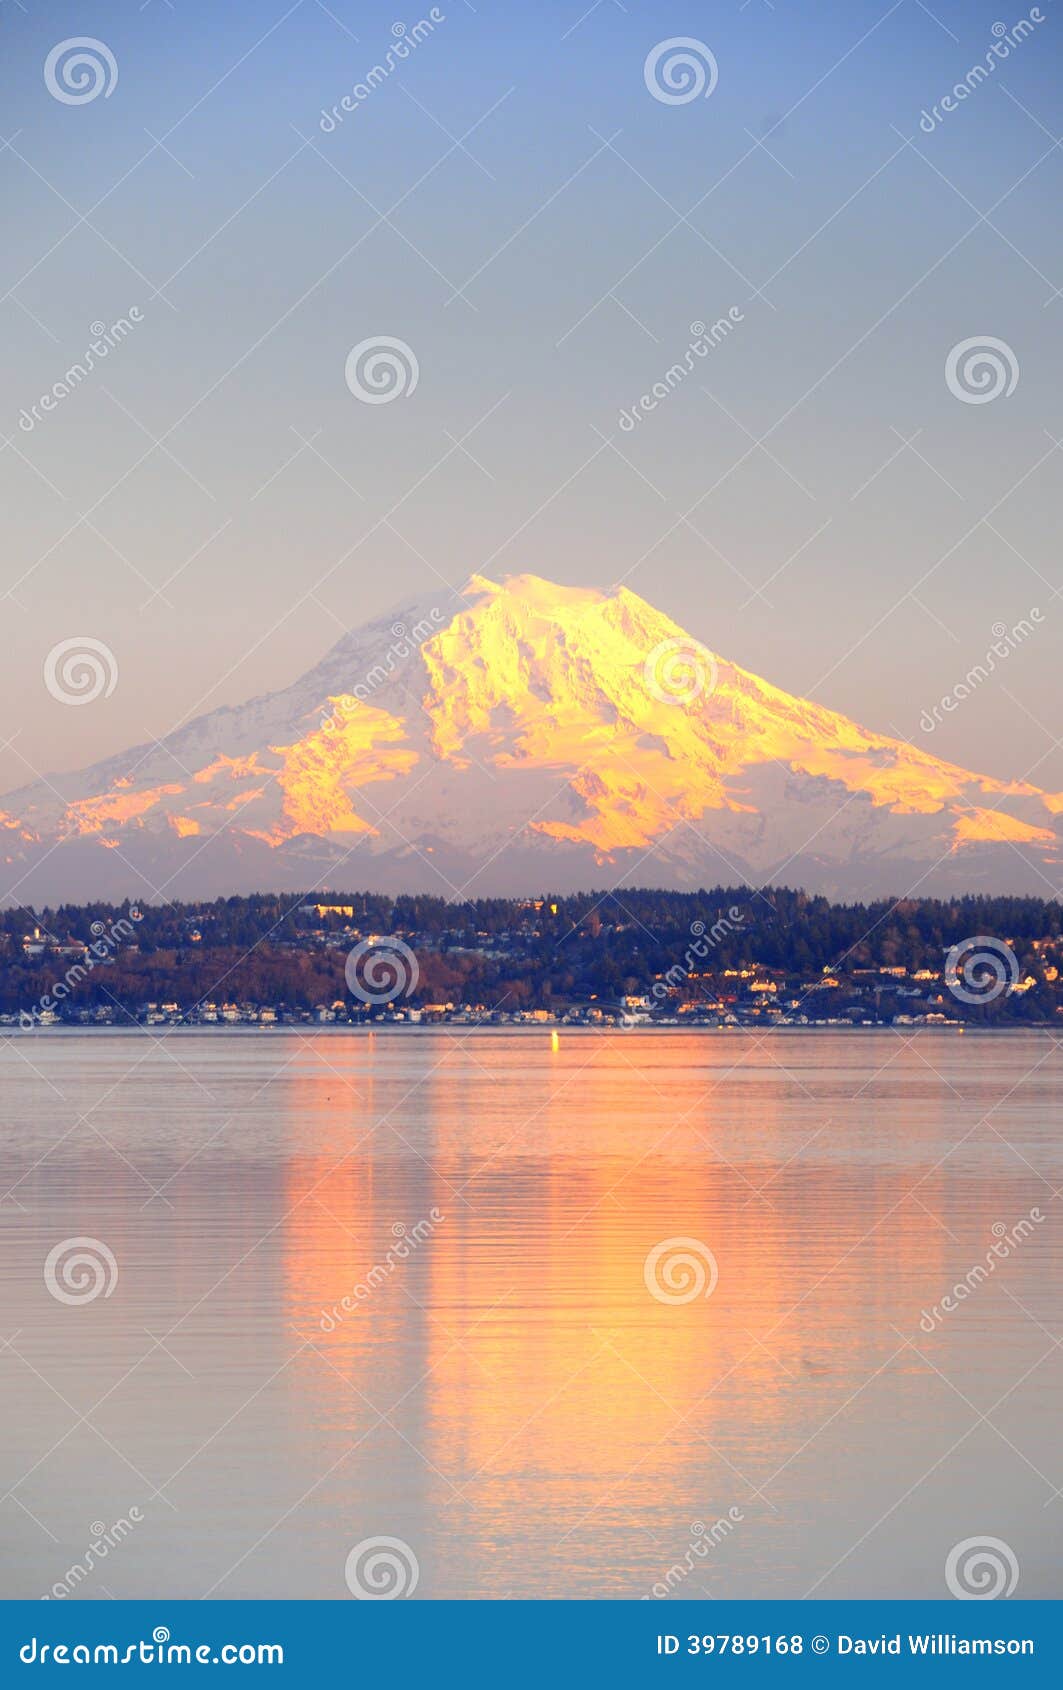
{"x":533,"y":734}
{"x":535,"y":592}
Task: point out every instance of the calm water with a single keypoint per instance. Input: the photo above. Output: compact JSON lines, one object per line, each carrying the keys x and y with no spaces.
{"x":511,"y":1401}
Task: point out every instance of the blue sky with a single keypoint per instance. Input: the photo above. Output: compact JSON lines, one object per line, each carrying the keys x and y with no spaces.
{"x":771,"y":504}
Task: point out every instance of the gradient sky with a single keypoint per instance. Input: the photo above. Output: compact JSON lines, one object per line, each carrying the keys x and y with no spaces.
{"x":257,"y":249}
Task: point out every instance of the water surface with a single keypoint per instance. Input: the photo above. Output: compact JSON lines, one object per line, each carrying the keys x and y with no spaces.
{"x":509,"y":1399}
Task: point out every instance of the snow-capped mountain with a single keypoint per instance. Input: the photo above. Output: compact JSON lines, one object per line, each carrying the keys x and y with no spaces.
{"x":536,"y":737}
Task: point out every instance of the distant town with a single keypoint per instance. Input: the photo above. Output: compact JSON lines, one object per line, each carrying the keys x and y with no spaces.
{"x":725,"y":957}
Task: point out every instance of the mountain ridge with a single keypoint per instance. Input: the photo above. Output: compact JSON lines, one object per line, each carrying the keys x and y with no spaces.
{"x":535,"y":734}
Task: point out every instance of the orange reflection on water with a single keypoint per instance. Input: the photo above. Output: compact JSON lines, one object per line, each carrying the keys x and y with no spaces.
{"x":515,"y":1344}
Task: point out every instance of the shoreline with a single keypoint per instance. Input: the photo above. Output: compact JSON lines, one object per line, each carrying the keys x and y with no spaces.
{"x":453,"y":1029}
